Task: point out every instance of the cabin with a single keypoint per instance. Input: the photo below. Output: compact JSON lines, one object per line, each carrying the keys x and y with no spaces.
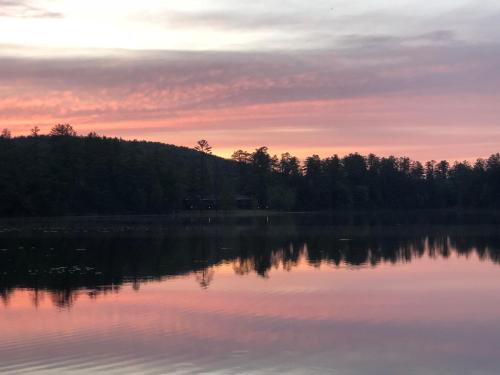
{"x":245,"y":202}
{"x":240,"y":202}
{"x":201,"y":203}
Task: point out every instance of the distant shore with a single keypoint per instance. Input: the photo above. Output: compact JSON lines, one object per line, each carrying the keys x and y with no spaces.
{"x":470,"y":216}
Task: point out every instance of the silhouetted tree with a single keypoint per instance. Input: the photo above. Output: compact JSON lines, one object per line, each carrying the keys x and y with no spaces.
{"x":62,"y":130}
{"x":203,"y":146}
{"x":35,"y":131}
{"x":261,"y":164}
{"x":289,"y":165}
{"x":243,"y":160}
{"x":200,"y":174}
{"x":242,"y":157}
{"x":6,"y":134}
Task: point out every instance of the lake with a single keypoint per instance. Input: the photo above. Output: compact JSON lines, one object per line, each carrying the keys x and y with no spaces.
{"x":364,"y":293}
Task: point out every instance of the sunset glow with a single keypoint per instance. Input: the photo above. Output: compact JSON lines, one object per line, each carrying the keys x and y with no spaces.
{"x":331,"y":77}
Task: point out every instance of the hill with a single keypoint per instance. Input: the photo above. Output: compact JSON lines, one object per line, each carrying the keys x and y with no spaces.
{"x":71,"y":175}
{"x":66,"y":174}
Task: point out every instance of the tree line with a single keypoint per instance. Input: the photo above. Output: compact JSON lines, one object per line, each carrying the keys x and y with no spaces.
{"x":63,"y":173}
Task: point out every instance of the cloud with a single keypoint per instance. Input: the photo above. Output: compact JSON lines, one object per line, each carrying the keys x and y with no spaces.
{"x":375,"y":92}
{"x":361,"y":67}
{"x":238,"y":20}
{"x":24,"y":9}
{"x":290,"y":24}
{"x":363,"y":41}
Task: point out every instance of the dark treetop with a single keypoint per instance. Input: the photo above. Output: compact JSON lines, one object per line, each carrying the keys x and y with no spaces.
{"x":66,"y":174}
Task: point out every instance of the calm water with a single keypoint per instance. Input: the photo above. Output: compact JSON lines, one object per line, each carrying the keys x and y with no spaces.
{"x":365,"y":294}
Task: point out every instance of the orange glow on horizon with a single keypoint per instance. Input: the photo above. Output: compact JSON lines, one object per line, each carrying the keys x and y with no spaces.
{"x":303,"y":128}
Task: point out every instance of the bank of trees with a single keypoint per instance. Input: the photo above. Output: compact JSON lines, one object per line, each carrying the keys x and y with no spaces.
{"x":367,"y":182}
{"x":65,"y":174}
{"x":62,"y":173}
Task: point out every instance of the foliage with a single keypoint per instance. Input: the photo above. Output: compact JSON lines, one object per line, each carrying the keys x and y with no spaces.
{"x":65,"y":174}
{"x":203,"y":147}
{"x":69,"y":175}
{"x":62,"y":130}
{"x":5,"y":133}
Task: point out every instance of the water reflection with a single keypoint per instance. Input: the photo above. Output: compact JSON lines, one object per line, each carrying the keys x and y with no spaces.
{"x":353,"y":295}
{"x":97,"y":258}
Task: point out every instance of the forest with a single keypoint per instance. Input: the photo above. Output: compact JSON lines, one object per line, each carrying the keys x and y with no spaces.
{"x":63,"y":173}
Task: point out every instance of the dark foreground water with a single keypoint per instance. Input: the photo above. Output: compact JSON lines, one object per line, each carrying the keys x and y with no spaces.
{"x":365,"y":294}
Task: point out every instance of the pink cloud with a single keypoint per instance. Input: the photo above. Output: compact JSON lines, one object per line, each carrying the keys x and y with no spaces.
{"x":419,"y":101}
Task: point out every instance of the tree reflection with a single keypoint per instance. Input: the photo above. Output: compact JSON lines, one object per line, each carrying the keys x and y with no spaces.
{"x":205,"y":277}
{"x":98,"y":261}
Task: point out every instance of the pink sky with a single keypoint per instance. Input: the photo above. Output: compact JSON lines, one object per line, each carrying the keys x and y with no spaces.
{"x":405,"y":80}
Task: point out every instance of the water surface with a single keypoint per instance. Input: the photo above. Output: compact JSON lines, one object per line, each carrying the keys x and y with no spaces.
{"x":295,"y":294}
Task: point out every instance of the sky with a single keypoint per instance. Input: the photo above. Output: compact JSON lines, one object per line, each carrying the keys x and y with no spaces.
{"x":402,"y":77}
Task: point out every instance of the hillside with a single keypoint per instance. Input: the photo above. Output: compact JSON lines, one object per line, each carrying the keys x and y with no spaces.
{"x":56,"y":175}
{"x":65,"y":174}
